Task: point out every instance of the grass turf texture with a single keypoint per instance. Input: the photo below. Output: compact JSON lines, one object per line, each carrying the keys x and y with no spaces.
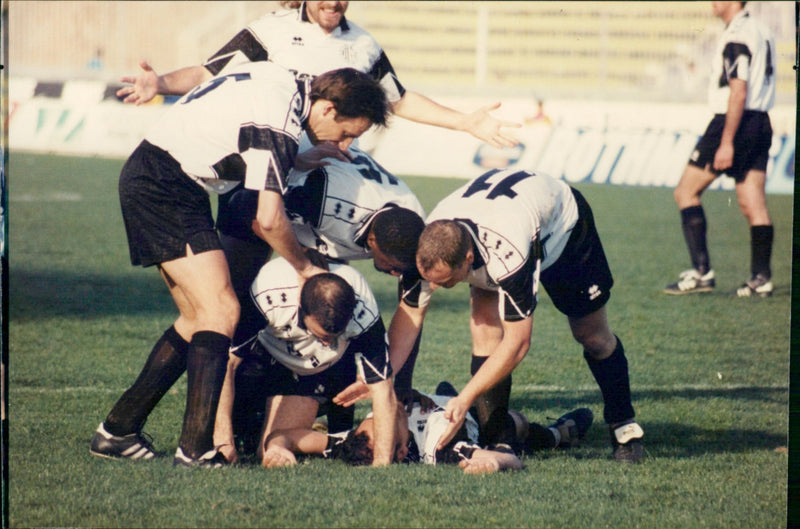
{"x":709,"y":378}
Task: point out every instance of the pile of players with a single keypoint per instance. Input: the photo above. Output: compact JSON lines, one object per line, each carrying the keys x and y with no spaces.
{"x":276,"y":328}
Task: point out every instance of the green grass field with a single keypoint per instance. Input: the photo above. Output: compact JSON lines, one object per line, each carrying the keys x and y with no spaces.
{"x":709,"y":377}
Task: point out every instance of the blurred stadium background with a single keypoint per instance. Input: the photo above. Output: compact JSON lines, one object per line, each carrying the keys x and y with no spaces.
{"x":602,"y":50}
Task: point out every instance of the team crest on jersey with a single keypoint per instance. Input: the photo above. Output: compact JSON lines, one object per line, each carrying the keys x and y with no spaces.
{"x":348,"y":53}
{"x":504,"y":257}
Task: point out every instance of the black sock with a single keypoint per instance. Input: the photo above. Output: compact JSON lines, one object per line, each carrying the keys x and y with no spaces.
{"x":693,"y":220}
{"x":491,"y":408}
{"x":761,"y":250}
{"x":539,"y":438}
{"x":611,"y":375}
{"x":164,"y":366}
{"x":206,"y":364}
{"x":249,"y":405}
{"x":403,"y":379}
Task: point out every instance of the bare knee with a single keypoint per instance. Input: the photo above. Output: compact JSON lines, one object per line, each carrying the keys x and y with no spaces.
{"x":222,"y":317}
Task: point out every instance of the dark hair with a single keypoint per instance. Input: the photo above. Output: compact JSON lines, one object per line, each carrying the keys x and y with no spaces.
{"x":354,"y":95}
{"x":396,"y":232}
{"x":330,"y":300}
{"x":354,"y":450}
{"x":443,"y":240}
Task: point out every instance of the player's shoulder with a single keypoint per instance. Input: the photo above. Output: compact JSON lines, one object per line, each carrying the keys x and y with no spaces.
{"x":275,"y":273}
{"x":281,"y":19}
{"x":353,"y":277}
{"x":354,"y":31}
{"x":745,"y":26}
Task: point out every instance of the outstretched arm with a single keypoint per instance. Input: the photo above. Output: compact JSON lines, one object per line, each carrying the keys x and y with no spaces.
{"x":489,"y":461}
{"x":223,"y":425}
{"x":480,"y":123}
{"x":148,"y":83}
{"x":384,"y":409}
{"x":282,"y":445}
{"x":510,"y":352}
{"x":272,"y":225}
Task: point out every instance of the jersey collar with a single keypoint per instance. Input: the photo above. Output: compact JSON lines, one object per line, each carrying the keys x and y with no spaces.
{"x":477,"y":247}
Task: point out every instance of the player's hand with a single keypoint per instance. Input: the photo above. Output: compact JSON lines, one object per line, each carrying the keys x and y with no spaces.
{"x":425,"y":402}
{"x":307,"y":273}
{"x":319,"y":156}
{"x":723,"y":158}
{"x":487,"y":128}
{"x":351,"y":394}
{"x":276,"y":456}
{"x":142,"y":88}
{"x":455,"y":412}
{"x":229,"y":451}
{"x":480,"y":465}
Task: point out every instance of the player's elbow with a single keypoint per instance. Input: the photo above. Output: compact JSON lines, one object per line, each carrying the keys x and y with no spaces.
{"x":522,"y":349}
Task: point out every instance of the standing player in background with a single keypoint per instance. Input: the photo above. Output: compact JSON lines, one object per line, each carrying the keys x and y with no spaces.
{"x":241,"y":128}
{"x":503,"y":233}
{"x":310,"y":38}
{"x":736,"y":142}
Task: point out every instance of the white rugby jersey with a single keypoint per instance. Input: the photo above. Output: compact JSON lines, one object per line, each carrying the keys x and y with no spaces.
{"x":332,"y":207}
{"x":240,"y":127}
{"x":427,"y":427}
{"x":288,"y":38}
{"x":746,"y":51}
{"x":275,"y":291}
{"x":520,"y":222}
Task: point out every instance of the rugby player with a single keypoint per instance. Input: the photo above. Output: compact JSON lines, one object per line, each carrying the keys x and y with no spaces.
{"x":503,"y":233}
{"x":736,"y":142}
{"x":241,"y":128}
{"x":315,"y":340}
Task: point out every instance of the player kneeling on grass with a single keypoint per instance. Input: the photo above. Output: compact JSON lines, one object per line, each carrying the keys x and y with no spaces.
{"x":316,"y":338}
{"x":419,"y":431}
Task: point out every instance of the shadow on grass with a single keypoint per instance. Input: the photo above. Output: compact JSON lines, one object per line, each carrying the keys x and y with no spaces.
{"x":671,"y":439}
{"x":41,"y":295}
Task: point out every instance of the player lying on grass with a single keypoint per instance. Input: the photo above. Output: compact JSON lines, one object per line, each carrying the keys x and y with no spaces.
{"x":313,"y":340}
{"x":418,"y":433}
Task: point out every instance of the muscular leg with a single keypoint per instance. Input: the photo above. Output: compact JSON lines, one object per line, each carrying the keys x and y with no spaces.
{"x":286,"y":412}
{"x":164,"y":366}
{"x":200,"y":285}
{"x":687,"y":196}
{"x":752,"y":200}
{"x":605,"y":356}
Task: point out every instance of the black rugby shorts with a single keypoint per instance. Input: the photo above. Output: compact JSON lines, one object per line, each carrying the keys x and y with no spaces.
{"x":750,"y":145}
{"x":163,"y":209}
{"x":580,"y":280}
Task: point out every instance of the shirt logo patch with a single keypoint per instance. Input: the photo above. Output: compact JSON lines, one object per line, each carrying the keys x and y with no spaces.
{"x":594,"y":292}
{"x":297,"y":41}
